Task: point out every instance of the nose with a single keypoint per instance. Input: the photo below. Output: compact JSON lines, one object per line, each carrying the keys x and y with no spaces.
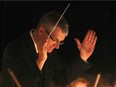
{"x":56,"y":45}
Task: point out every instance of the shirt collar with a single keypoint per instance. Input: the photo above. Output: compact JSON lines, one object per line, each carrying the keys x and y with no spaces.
{"x":31,"y":31}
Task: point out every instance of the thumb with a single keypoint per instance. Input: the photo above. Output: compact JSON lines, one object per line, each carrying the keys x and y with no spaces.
{"x":78,"y":43}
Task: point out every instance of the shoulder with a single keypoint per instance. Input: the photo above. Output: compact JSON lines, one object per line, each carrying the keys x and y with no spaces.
{"x":18,"y":43}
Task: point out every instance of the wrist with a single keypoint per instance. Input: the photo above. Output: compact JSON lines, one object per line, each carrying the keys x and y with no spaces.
{"x":40,"y":63}
{"x":83,"y":57}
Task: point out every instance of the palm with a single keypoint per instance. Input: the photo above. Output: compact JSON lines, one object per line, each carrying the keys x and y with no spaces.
{"x":88,"y":44}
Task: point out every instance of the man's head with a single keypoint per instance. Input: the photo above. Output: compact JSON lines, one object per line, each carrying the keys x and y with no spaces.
{"x":50,"y":19}
{"x":45,"y":26}
{"x":79,"y":82}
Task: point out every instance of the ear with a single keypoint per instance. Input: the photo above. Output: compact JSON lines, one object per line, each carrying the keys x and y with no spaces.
{"x":41,"y":30}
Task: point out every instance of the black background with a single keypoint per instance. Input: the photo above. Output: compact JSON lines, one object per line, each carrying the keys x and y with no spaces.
{"x":17,"y":17}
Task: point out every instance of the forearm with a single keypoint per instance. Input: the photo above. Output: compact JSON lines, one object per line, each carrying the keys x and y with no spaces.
{"x":26,"y":72}
{"x":66,"y":74}
{"x":77,"y":67}
{"x":31,"y":78}
{"x":40,"y":63}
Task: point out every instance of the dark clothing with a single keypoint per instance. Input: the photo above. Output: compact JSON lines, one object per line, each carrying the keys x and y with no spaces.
{"x":20,"y":56}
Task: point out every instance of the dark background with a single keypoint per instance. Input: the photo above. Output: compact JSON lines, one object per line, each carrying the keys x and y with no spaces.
{"x":17,"y":17}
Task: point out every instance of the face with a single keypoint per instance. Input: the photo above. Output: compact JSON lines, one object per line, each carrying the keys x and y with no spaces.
{"x":55,"y":40}
{"x":80,"y":84}
{"x":114,"y":84}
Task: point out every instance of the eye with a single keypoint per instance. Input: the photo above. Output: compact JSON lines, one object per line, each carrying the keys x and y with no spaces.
{"x":57,"y":41}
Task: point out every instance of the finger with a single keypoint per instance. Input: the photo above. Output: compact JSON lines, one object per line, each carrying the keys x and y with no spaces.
{"x":46,"y":41}
{"x":95,"y":40}
{"x":43,"y":44}
{"x":87,"y":35}
{"x":78,"y":43}
{"x":90,"y":35}
{"x":93,"y":37}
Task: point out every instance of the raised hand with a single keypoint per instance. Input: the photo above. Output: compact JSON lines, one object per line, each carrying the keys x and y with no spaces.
{"x":42,"y":54}
{"x":87,"y":46}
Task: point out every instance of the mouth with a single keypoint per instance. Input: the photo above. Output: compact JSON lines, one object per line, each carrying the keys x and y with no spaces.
{"x":50,"y":50}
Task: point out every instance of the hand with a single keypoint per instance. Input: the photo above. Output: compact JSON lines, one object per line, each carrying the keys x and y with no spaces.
{"x":87,"y":46}
{"x":42,"y":49}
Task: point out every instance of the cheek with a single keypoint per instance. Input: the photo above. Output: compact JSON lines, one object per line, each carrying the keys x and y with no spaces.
{"x":49,"y":48}
{"x":49,"y":45}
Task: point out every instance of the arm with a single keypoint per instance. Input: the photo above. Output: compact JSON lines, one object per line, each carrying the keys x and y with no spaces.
{"x":22,"y":64}
{"x":78,"y":66}
{"x":42,"y":54}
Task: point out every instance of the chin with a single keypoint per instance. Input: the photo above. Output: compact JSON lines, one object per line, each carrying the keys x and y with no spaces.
{"x":49,"y":51}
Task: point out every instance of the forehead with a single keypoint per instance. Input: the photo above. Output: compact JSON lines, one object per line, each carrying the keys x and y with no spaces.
{"x":80,"y":84}
{"x":57,"y":33}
